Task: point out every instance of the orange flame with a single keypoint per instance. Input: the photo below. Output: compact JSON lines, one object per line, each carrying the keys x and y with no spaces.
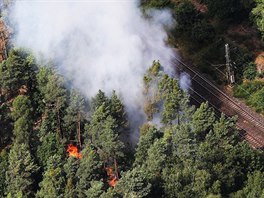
{"x":73,"y":151}
{"x":112,"y":178}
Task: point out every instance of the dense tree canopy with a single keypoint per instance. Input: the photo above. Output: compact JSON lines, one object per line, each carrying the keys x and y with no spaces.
{"x":56,"y":143}
{"x":259,"y":15}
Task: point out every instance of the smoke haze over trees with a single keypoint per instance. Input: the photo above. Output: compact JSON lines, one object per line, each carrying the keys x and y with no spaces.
{"x":68,"y":108}
{"x":95,"y":44}
{"x":191,"y":153}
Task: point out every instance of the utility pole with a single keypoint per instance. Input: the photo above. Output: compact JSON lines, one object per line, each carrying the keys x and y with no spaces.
{"x":229,"y":72}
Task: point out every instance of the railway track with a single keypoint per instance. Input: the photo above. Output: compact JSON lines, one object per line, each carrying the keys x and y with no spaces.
{"x":253,"y":133}
{"x":254,"y":142}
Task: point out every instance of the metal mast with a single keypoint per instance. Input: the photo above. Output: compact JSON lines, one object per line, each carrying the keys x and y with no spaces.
{"x":229,"y":72}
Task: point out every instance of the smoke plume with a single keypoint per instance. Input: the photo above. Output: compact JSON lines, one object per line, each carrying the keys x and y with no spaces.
{"x":97,"y":44}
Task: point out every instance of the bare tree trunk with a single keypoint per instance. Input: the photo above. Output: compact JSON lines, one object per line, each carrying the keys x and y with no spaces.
{"x":59,"y":121}
{"x":79,"y":130}
{"x":116,"y":171}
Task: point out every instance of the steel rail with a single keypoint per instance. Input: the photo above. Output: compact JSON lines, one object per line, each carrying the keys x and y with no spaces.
{"x":225,"y":97}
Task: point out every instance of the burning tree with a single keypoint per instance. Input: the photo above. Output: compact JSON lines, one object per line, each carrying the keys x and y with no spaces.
{"x":112,"y":174}
{"x":73,"y":151}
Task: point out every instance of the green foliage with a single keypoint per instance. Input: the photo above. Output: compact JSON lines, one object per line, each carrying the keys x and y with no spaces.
{"x":250,"y":71}
{"x":99,"y":100}
{"x":6,"y":125}
{"x":155,"y":68}
{"x":22,"y":114}
{"x":178,"y":182}
{"x":103,"y":134}
{"x":202,"y":32}
{"x":176,"y":101}
{"x":254,"y":186}
{"x":21,"y":107}
{"x":20,"y":172}
{"x":189,"y":154}
{"x":3,"y":169}
{"x":118,"y":113}
{"x":17,"y":71}
{"x":156,"y":160}
{"x":133,"y":184}
{"x":107,"y":122}
{"x":247,"y":89}
{"x":154,"y":3}
{"x":232,"y":9}
{"x":186,"y":15}
{"x":48,"y":147}
{"x":202,"y":120}
{"x":74,"y":116}
{"x":70,"y":167}
{"x":53,"y":181}
{"x":258,"y":15}
{"x":252,"y":92}
{"x":96,"y":189}
{"x":256,"y":100}
{"x":88,"y":170}
{"x":148,"y":134}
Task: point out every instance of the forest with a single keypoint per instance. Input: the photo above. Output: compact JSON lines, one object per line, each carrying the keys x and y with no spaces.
{"x":204,"y":26}
{"x":55,"y":142}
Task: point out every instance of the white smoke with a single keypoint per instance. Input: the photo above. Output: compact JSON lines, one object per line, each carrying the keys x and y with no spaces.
{"x":185,"y":81}
{"x":97,"y":44}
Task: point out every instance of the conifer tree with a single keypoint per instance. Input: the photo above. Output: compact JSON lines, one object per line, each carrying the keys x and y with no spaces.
{"x":3,"y":169}
{"x":53,"y":182}
{"x":99,"y":100}
{"x":133,"y":184}
{"x":148,"y":134}
{"x":20,"y":172}
{"x":48,"y":147}
{"x":102,"y":131}
{"x":70,"y":167}
{"x":17,"y":71}
{"x":202,"y":120}
{"x":90,"y":169}
{"x":118,"y":112}
{"x":73,"y":120}
{"x":22,"y":114}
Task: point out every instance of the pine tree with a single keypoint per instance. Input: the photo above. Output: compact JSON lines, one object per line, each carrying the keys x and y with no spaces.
{"x":102,"y":131}
{"x":70,"y":167}
{"x":254,"y":186}
{"x":54,"y":95}
{"x":73,"y":120}
{"x":148,"y":134}
{"x":48,"y":147}
{"x":6,"y":125}
{"x":17,"y":71}
{"x":53,"y":182}
{"x":90,"y":169}
{"x":95,"y":190}
{"x":118,"y":113}
{"x":133,"y":184}
{"x":99,"y":100}
{"x":3,"y":169}
{"x":202,"y":120}
{"x":20,"y":172}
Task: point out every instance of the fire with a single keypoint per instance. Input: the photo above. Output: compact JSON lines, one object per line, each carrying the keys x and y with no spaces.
{"x":73,"y":151}
{"x":112,"y":177}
